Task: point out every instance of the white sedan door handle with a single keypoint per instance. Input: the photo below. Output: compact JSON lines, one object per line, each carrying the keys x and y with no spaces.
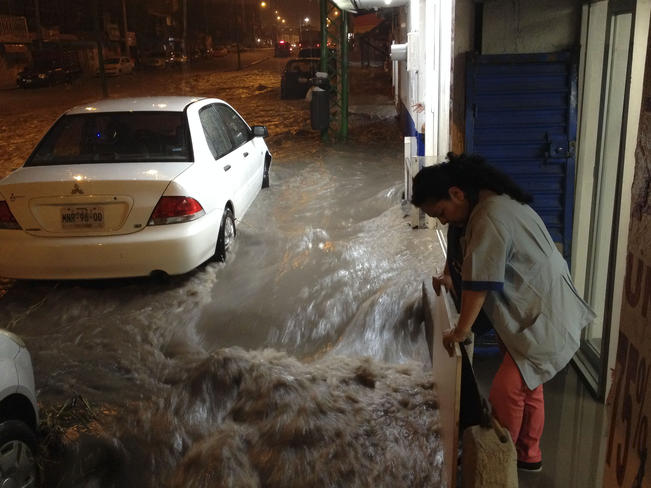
{"x":227,"y":167}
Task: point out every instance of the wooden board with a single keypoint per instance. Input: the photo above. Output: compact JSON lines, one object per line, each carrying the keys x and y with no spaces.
{"x":440,"y":315}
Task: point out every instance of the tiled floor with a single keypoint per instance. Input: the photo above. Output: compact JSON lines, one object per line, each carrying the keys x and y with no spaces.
{"x":575,"y":433}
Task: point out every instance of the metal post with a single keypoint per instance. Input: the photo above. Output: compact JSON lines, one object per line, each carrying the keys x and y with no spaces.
{"x":240,"y":35}
{"x":100,"y":54}
{"x":407,"y":169}
{"x":324,"y":35}
{"x":324,"y":50}
{"x":126,"y":31}
{"x":343,"y":129}
{"x":39,"y":29}
{"x":185,"y":30}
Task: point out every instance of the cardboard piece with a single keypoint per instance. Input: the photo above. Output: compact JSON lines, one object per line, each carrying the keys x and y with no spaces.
{"x":440,"y":314}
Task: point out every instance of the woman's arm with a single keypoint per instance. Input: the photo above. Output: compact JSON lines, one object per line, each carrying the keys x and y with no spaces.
{"x":471,"y":303}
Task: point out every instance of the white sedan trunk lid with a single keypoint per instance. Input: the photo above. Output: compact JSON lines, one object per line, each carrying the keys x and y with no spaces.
{"x":87,"y":199}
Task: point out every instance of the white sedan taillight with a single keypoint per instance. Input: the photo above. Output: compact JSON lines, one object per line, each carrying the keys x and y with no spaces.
{"x":174,"y":210}
{"x":7,"y":220}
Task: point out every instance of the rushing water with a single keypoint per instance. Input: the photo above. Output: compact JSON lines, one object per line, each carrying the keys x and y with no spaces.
{"x":301,"y":361}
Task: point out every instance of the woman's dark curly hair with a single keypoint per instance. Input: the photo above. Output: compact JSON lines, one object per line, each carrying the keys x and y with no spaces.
{"x":471,"y":173}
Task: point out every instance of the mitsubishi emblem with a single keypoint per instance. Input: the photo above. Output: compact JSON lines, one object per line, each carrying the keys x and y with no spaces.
{"x":77,"y":190}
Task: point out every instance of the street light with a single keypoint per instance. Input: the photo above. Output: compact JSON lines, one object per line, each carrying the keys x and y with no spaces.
{"x":263,"y":4}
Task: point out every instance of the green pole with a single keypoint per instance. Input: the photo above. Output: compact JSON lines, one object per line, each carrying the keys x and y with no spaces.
{"x":324,"y":50}
{"x":324,"y":35}
{"x":343,"y":131}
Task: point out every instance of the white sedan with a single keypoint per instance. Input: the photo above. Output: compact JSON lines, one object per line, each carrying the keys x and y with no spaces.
{"x":130,"y":187}
{"x":118,"y":66}
{"x":18,"y":414}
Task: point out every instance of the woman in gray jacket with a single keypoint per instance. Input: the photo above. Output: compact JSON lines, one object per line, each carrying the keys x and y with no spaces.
{"x":511,"y":270}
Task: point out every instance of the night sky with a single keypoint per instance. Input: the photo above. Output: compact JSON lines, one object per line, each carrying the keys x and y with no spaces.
{"x":296,"y":10}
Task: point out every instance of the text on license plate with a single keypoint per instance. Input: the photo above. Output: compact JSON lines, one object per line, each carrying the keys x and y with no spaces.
{"x":82,"y":217}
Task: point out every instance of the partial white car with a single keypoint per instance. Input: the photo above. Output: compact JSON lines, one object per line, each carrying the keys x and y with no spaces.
{"x":18,"y":414}
{"x":220,"y":51}
{"x":154,"y":61}
{"x":118,"y":66}
{"x":131,"y":187}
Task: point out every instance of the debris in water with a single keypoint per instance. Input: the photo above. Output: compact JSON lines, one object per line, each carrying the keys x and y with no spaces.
{"x":262,"y":418}
{"x":67,"y":430}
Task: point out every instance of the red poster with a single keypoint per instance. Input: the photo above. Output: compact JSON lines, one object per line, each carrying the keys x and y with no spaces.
{"x":628,"y":462}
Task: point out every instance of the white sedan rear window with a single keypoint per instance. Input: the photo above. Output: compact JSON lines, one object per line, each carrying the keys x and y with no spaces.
{"x":115,"y":137}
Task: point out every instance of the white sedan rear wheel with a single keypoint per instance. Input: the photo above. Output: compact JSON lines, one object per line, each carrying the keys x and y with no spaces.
{"x":226,"y":236}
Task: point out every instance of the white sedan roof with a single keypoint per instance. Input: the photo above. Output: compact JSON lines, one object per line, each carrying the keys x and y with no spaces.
{"x":139,"y":104}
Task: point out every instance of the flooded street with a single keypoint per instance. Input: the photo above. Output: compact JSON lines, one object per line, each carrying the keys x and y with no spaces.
{"x":300,"y":361}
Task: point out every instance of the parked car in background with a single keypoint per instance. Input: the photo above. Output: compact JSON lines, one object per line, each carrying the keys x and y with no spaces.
{"x":283,"y":49}
{"x":154,"y":61}
{"x":118,"y":66}
{"x":219,"y":51}
{"x":314,"y":52}
{"x":309,"y":52}
{"x":130,"y":187}
{"x":18,"y":414}
{"x":49,"y":68}
{"x":197,"y":54}
{"x":176,"y":59}
{"x":296,"y":78}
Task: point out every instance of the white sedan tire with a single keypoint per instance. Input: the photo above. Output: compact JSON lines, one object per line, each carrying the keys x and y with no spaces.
{"x":17,"y":455}
{"x":226,"y":236}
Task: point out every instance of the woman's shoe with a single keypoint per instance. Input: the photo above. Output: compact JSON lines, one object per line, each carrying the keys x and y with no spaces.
{"x":530,"y":467}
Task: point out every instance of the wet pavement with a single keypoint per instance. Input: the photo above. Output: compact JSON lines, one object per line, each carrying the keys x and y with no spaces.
{"x":305,"y":343}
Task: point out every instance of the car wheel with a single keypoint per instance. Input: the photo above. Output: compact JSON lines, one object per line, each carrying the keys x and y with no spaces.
{"x":283,"y":91}
{"x":226,"y":235}
{"x":17,"y":449}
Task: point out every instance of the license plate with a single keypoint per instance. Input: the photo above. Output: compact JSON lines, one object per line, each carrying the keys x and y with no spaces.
{"x":82,"y":218}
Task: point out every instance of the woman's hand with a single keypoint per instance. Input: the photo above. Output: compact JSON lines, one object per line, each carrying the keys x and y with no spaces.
{"x":471,"y":303}
{"x":442,"y":280}
{"x":450,"y":337}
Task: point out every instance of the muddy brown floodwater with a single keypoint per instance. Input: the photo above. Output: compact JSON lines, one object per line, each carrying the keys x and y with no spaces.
{"x":300,"y":362}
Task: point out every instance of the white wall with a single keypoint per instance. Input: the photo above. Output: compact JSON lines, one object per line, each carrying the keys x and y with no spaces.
{"x":403,"y":83}
{"x":526,"y":26}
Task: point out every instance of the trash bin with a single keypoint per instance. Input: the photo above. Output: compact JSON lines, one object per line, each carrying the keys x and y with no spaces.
{"x":319,"y":105}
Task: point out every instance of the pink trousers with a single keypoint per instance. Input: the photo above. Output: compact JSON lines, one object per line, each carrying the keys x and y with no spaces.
{"x":518,"y":409}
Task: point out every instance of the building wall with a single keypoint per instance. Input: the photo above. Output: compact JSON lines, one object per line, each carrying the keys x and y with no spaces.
{"x":523,"y":26}
{"x":630,"y":398}
{"x":463,"y":41}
